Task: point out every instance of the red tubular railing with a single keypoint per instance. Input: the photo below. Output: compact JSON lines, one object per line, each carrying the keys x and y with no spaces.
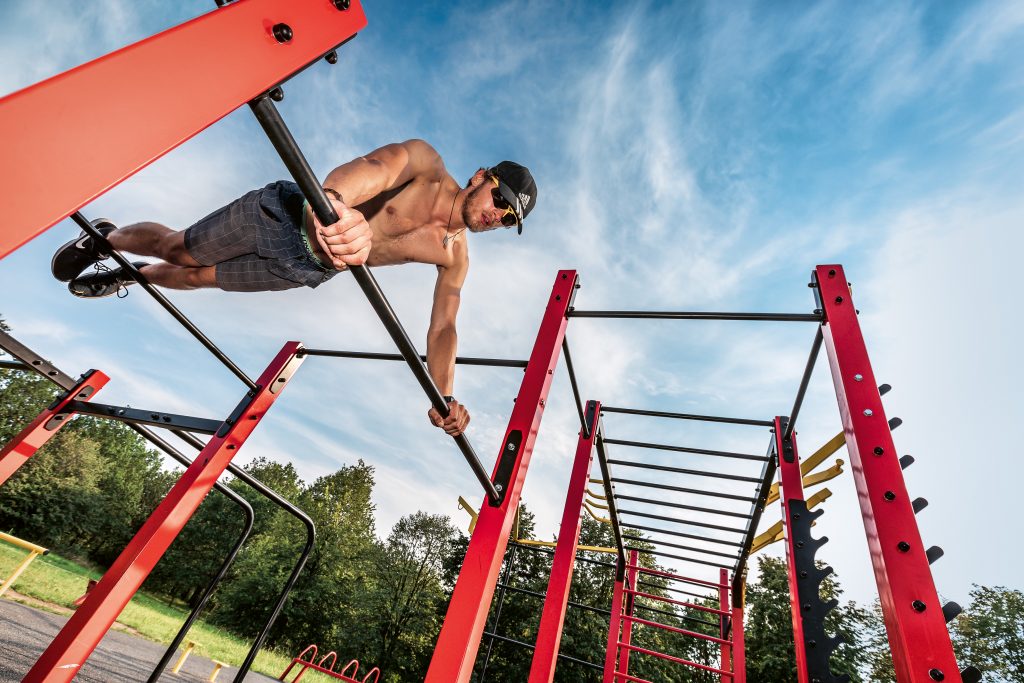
{"x":701,"y":608}
{"x":674,"y":629}
{"x":677,"y":660}
{"x":687,"y":579}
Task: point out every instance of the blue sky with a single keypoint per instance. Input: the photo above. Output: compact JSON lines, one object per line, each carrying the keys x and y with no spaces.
{"x":701,"y":156}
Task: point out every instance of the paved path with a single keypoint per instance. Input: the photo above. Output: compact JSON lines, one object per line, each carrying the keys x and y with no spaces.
{"x":25,"y":632}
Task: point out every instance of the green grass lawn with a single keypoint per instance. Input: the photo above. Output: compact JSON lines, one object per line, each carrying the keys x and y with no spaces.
{"x":55,"y":579}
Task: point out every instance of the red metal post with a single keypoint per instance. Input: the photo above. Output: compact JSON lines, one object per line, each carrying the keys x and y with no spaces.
{"x":611,"y":656}
{"x":628,"y":604}
{"x":739,"y":653}
{"x":918,"y":637}
{"x":791,"y":488}
{"x":463,"y":626}
{"x":549,"y":633}
{"x":40,"y":430}
{"x":723,"y":603}
{"x":80,"y":635}
{"x":84,"y":131}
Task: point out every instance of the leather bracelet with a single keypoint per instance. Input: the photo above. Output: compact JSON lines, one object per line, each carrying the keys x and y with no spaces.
{"x":449,"y":399}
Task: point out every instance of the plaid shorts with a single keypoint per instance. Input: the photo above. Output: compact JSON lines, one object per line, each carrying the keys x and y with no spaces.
{"x":255,"y":242}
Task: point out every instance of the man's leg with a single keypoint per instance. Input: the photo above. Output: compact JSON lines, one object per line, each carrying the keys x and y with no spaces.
{"x":153,"y":239}
{"x":180,"y":277}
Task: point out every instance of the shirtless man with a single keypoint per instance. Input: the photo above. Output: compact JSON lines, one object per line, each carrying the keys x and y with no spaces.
{"x":398,"y":204}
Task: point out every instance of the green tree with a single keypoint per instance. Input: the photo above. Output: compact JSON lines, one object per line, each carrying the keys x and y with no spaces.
{"x":990,"y":633}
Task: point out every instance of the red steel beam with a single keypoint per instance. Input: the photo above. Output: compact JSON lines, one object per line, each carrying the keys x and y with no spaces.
{"x":23,"y":446}
{"x":463,"y":626}
{"x":677,"y":577}
{"x":725,"y":660}
{"x":739,"y":652}
{"x":82,"y":633}
{"x":76,"y":135}
{"x":918,"y":637}
{"x":629,"y":602}
{"x":611,"y":656}
{"x":556,"y":600}
{"x":791,"y":487}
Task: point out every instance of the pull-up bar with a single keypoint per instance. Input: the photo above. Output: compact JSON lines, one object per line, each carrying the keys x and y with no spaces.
{"x":701,"y":315}
{"x":459,"y":360}
{"x":687,"y":416}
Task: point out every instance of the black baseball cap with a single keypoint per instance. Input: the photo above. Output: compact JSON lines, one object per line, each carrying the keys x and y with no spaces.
{"x":517,"y":186}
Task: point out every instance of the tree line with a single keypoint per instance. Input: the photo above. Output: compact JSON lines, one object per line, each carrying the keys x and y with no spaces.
{"x":381,"y":598}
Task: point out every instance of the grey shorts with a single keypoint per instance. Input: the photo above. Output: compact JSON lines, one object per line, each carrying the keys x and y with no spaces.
{"x":255,"y":242}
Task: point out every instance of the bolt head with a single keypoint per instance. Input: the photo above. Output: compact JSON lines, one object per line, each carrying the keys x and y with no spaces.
{"x":889,"y":495}
{"x":498,"y":488}
{"x":839,"y":299}
{"x":282,"y":33}
{"x":903,"y":547}
{"x":858,"y":378}
{"x":868,"y":412}
{"x":918,"y":606}
{"x":936,"y":675}
{"x":879,"y":450}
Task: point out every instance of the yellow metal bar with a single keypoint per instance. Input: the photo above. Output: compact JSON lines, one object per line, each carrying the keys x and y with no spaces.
{"x":824,"y":475}
{"x":464,"y":505}
{"x":189,"y":646}
{"x":595,"y":495}
{"x":13,"y":540}
{"x":774,"y":533}
{"x":552,"y":544}
{"x":597,"y":505}
{"x":32,"y":554}
{"x":593,"y":514}
{"x":807,"y":465}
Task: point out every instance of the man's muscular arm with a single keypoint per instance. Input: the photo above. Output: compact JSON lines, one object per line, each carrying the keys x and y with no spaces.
{"x":384,"y":169}
{"x":442,"y":339}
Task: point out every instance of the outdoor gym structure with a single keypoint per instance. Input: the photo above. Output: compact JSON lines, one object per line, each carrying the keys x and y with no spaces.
{"x":79,"y":134}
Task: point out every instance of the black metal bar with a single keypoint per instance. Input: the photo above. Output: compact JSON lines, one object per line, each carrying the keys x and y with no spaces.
{"x":701,"y":315}
{"x":684,"y":559}
{"x":535,"y":594}
{"x":274,"y":126}
{"x":367,"y":355}
{"x":681,"y":535}
{"x":805,"y":379}
{"x":145,"y":417}
{"x":687,"y":449}
{"x":13,"y":365}
{"x":687,"y":416}
{"x":551,"y":551}
{"x":677,"y":615}
{"x":613,"y":515}
{"x":35,"y":362}
{"x":644,"y":584}
{"x":575,"y":386}
{"x":694,"y":508}
{"x":682,"y":521}
{"x":680,"y":489}
{"x":756,"y":509}
{"x":681,"y":470}
{"x":165,"y":302}
{"x":531,"y":646}
{"x":628,"y":537}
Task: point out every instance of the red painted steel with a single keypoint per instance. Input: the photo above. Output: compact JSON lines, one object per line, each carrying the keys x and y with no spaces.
{"x":23,"y":446}
{"x":84,"y":131}
{"x":791,"y":487}
{"x":463,"y":626}
{"x":739,"y":652}
{"x":919,"y":641}
{"x":556,"y":600}
{"x":677,"y":660}
{"x":611,"y":655}
{"x":629,"y":600}
{"x":677,"y":577}
{"x":80,"y":635}
{"x":627,"y":677}
{"x":675,"y":629}
{"x":725,"y":653}
{"x":700,"y":608}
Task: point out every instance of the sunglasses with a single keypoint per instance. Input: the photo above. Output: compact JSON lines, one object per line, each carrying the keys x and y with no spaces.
{"x":509,"y":218}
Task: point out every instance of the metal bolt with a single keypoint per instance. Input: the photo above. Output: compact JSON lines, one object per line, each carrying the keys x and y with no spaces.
{"x":558,"y":297}
{"x":803,"y":575}
{"x":889,"y":495}
{"x":903,"y":547}
{"x":879,"y":450}
{"x":858,"y":377}
{"x":799,"y":544}
{"x":542,"y":401}
{"x":511,"y":446}
{"x":231,"y":446}
{"x":832,"y":272}
{"x":812,"y":643}
{"x":918,"y":606}
{"x":332,"y":57}
{"x":807,"y":607}
{"x":936,"y":675}
{"x":341,"y":5}
{"x":839,"y":299}
{"x":282,"y":32}
{"x":868,"y":413}
{"x":499,"y":488}
{"x":277,"y":94}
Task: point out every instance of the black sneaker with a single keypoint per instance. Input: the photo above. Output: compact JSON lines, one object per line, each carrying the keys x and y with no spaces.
{"x":103,"y":282}
{"x":80,"y":253}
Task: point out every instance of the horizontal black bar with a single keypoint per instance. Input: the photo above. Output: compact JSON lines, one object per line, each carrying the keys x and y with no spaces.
{"x":198,"y":425}
{"x":681,"y":470}
{"x":687,"y":449}
{"x":694,"y":508}
{"x":684,"y":559}
{"x":688,"y":522}
{"x":366,"y":355}
{"x":680,"y":489}
{"x":578,"y":605}
{"x":550,"y":551}
{"x":701,"y":315}
{"x":687,"y":416}
{"x":681,"y":535}
{"x":13,"y":365}
{"x":531,"y":646}
{"x":677,"y":615}
{"x":670,"y":589}
{"x":681,"y":547}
